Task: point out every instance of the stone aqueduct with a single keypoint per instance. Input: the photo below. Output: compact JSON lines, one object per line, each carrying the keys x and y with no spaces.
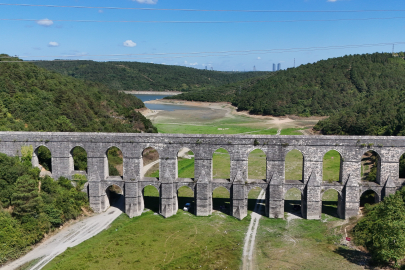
{"x":275,"y":186}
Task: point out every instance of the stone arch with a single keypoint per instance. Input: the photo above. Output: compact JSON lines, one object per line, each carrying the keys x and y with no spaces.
{"x":221,"y":199}
{"x":114,"y":162}
{"x":113,"y":195}
{"x":293,"y":201}
{"x":219,"y":166}
{"x":369,"y":196}
{"x":151,"y":198}
{"x":150,"y":164}
{"x":332,"y":166}
{"x":370,"y":166}
{"x":332,"y":202}
{"x":294,"y":165}
{"x":185,"y":194}
{"x":401,"y":167}
{"x":78,"y":159}
{"x":257,"y":164}
{"x":185,"y":166}
{"x":256,"y":196}
{"x":42,"y":158}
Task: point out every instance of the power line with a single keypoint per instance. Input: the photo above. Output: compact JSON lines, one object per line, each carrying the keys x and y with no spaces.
{"x":210,"y":22}
{"x":210,"y":10}
{"x":205,"y":54}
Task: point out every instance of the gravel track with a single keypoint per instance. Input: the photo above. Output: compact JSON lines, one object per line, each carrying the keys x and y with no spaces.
{"x":249,"y":243}
{"x":69,"y":237}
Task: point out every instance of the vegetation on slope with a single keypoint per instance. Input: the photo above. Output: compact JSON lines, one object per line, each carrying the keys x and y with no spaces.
{"x":30,"y":207}
{"x":138,"y":76}
{"x":35,"y":99}
{"x":381,"y":231}
{"x":362,"y":94}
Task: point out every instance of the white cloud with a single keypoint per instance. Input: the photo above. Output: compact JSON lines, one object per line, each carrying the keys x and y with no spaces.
{"x":129,"y":43}
{"x":332,"y":0}
{"x":150,"y":2}
{"x":53,"y":44}
{"x":258,"y":58}
{"x":193,"y":64}
{"x":100,"y":11}
{"x":45,"y":22}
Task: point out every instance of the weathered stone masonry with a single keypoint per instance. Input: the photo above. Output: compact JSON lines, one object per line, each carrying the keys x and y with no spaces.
{"x":132,"y":183}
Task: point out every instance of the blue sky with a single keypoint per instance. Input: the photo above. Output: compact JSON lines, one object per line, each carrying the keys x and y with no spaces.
{"x":50,"y":39}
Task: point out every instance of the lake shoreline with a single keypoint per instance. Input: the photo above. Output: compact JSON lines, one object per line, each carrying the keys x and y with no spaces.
{"x":156,"y":93}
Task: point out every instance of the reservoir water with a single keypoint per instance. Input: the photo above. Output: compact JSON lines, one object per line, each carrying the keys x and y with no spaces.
{"x":164,"y":107}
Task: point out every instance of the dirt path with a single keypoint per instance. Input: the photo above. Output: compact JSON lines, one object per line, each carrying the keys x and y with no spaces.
{"x":69,"y":237}
{"x":249,"y":243}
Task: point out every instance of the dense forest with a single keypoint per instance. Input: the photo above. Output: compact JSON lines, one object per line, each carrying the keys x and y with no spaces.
{"x":138,"y":76}
{"x":30,"y":206}
{"x":35,"y":99}
{"x":362,"y":94}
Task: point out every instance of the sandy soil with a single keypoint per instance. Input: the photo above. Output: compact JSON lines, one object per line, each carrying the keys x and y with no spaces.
{"x":222,"y":110}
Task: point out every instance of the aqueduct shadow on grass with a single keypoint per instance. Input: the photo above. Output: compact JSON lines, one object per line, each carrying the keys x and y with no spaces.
{"x":237,"y":149}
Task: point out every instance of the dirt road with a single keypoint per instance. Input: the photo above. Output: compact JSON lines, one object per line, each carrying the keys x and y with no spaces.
{"x":69,"y":237}
{"x":249,"y":243}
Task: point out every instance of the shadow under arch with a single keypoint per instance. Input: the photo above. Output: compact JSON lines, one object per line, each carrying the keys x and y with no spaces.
{"x":254,"y":204}
{"x":370,"y":166}
{"x":151,"y":198}
{"x":150,"y":163}
{"x":369,"y":197}
{"x":186,"y":195}
{"x":221,"y":164}
{"x":257,"y":164}
{"x":114,"y":196}
{"x":294,"y":165}
{"x":332,"y":166}
{"x":332,"y":203}
{"x":221,"y":200}
{"x":114,"y":162}
{"x":42,"y":158}
{"x":78,"y":160}
{"x":185,"y":163}
{"x":293,"y":202}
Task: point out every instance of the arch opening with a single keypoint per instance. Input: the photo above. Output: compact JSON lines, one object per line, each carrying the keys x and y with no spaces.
{"x":114,"y":197}
{"x":221,"y":164}
{"x":42,"y":158}
{"x":185,"y":163}
{"x":331,"y":200}
{"x":257,"y":165}
{"x":332,"y":166}
{"x":370,"y":167}
{"x":221,"y":200}
{"x":294,"y":165}
{"x":78,"y":160}
{"x":369,"y":197}
{"x":115,"y":161}
{"x":256,"y":200}
{"x":292,"y":202}
{"x":185,"y":199}
{"x":150,"y":162}
{"x":401,"y":173}
{"x":151,"y":198}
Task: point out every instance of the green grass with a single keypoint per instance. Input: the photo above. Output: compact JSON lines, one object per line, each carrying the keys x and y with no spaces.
{"x":331,"y":166}
{"x":257,"y":165}
{"x":291,"y":131}
{"x":221,"y":164}
{"x":152,"y":242}
{"x":212,"y":129}
{"x":301,"y":244}
{"x":293,"y":165}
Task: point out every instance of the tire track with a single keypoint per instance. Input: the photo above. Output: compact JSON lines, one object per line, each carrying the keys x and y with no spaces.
{"x":249,"y":243}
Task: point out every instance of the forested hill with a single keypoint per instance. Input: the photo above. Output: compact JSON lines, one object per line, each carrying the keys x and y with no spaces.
{"x":138,"y":76}
{"x":362,"y":94}
{"x":35,"y":99}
